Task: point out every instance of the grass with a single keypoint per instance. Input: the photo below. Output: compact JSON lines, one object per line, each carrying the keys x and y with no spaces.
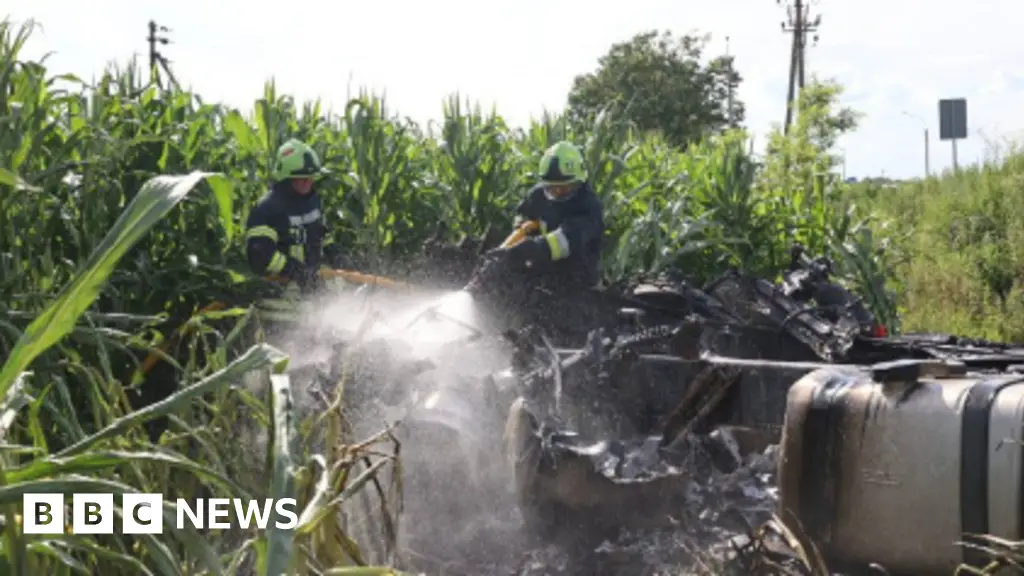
{"x":121,"y":212}
{"x":960,"y":237}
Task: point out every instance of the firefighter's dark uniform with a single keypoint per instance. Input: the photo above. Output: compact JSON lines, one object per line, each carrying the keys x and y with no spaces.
{"x":287,"y":237}
{"x":572,"y":234}
{"x":558,"y":267}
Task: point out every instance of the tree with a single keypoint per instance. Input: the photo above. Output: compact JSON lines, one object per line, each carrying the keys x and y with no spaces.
{"x":821,"y":120}
{"x":667,"y":88}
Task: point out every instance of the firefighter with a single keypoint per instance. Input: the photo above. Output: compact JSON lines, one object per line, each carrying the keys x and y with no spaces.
{"x":286,"y":235}
{"x":547,"y":279}
{"x":567,"y":251}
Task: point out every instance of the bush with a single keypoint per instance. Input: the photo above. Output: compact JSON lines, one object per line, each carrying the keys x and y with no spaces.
{"x":961,"y":240}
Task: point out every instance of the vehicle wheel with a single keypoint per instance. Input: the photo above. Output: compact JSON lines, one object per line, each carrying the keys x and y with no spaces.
{"x":523,"y":454}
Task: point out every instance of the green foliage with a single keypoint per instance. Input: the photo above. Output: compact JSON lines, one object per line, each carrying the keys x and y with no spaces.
{"x":665,"y":87}
{"x":88,"y":223}
{"x":119,"y":458}
{"x":961,"y":235}
{"x":809,"y":148}
{"x":800,"y":166}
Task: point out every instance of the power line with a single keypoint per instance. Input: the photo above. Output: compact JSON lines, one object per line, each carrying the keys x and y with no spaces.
{"x":157,"y":61}
{"x":798,"y":23}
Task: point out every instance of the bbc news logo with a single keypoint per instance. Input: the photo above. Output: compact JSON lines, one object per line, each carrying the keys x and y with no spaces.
{"x":144,"y":513}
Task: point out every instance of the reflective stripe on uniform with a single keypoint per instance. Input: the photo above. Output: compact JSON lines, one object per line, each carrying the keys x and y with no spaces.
{"x":558,"y":244}
{"x":261,"y":232}
{"x":298,"y":252}
{"x":284,"y":309}
{"x":277,"y":262}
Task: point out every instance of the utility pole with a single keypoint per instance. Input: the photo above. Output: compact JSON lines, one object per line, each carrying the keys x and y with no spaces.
{"x":798,"y":23}
{"x":927,"y":156}
{"x":157,"y":61}
{"x":927,"y":153}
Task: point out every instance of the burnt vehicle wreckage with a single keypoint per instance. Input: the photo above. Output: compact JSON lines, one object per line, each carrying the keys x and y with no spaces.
{"x":615,"y":396}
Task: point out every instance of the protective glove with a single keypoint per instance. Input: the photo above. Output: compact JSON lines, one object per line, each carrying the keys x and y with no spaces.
{"x":530,"y":250}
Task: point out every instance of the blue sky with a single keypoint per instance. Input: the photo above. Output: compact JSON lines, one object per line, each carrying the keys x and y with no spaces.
{"x":893,"y":56}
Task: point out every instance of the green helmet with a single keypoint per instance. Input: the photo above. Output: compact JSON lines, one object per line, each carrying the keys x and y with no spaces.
{"x":295,"y":159}
{"x":562,"y":164}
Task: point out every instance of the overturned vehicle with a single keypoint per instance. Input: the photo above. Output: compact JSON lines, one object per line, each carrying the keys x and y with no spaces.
{"x":610,"y":435}
{"x":613,"y":400}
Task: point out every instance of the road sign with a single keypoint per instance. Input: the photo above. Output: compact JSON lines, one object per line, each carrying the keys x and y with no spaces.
{"x":953,"y":119}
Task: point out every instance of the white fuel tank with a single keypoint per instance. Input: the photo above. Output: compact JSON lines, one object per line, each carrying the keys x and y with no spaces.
{"x":896,"y":464}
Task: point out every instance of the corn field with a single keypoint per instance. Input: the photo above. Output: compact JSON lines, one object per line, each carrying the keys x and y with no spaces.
{"x":122,"y":209}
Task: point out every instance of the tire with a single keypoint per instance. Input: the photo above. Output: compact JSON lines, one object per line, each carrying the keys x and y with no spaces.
{"x":523,"y":454}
